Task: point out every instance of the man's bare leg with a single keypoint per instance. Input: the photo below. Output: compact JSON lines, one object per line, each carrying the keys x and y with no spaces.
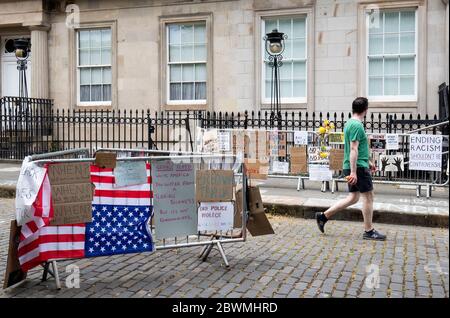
{"x":367,"y":210}
{"x":351,"y":199}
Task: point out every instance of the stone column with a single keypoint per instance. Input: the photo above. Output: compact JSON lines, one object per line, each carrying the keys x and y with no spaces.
{"x":39,"y":62}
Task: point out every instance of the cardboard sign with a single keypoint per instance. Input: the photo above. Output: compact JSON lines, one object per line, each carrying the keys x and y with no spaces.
{"x":300,"y":137}
{"x":175,"y":209}
{"x":336,"y":138}
{"x":377,"y":142}
{"x":392,"y":141}
{"x":320,"y":172}
{"x":336,"y":159}
{"x":214,"y":185}
{"x":72,"y":193}
{"x":105,"y":160}
{"x":215,"y":216}
{"x":280,"y":167}
{"x":257,"y":169}
{"x":425,"y":152}
{"x":272,"y":145}
{"x":391,"y":163}
{"x":13,"y":272}
{"x":299,"y":160}
{"x":129,"y":173}
{"x":257,"y":223}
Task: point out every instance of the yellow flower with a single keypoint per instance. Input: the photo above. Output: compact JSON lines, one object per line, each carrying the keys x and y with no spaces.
{"x":322,"y":130}
{"x":332,"y":126}
{"x":326,"y":122}
{"x":323,"y":155}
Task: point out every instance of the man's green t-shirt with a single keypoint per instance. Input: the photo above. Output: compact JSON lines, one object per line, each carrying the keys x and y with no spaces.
{"x":354,"y":130}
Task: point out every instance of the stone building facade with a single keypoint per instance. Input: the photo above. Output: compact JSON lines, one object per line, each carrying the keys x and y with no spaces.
{"x":209,"y":54}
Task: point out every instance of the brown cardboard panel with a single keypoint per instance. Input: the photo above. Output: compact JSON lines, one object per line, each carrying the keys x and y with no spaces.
{"x":214,"y":185}
{"x":257,"y":169}
{"x":298,"y":155}
{"x":258,"y":225}
{"x":69,"y":173}
{"x":336,"y":159}
{"x":297,"y":168}
{"x":79,"y":192}
{"x":72,"y":213}
{"x":13,"y":272}
{"x":105,"y":160}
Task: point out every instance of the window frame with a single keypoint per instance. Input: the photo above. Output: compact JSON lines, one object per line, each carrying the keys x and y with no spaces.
{"x":393,"y":98}
{"x":168,"y":63}
{"x":285,"y":100}
{"x":78,"y":67}
{"x":164,"y":89}
{"x":307,"y":11}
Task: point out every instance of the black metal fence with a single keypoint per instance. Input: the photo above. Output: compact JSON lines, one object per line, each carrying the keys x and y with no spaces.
{"x":31,"y":126}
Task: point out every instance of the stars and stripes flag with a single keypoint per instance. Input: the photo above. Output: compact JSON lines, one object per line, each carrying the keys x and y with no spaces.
{"x":120,"y":224}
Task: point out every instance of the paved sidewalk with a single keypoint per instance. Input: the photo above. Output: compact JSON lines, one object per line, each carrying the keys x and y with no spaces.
{"x":297,"y":261}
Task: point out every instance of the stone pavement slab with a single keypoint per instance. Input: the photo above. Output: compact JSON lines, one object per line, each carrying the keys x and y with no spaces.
{"x":297,"y":261}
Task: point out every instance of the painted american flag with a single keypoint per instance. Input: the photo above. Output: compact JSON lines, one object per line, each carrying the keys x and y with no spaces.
{"x":120,"y":224}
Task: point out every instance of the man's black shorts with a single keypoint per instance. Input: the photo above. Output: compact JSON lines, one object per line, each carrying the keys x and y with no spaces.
{"x":364,"y":183}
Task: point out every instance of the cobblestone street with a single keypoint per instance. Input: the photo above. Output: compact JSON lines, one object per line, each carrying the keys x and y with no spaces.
{"x":297,"y":261}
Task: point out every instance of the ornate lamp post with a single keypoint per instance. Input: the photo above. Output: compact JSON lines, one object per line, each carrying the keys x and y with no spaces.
{"x":275,"y":48}
{"x":22,"y":48}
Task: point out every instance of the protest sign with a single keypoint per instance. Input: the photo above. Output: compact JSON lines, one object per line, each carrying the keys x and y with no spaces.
{"x":391,"y":163}
{"x":314,"y":154}
{"x":210,"y":141}
{"x":298,"y":160}
{"x":336,"y":138}
{"x":257,"y":169}
{"x":214,"y":185}
{"x":72,"y":193}
{"x":30,"y":180}
{"x":377,"y":142}
{"x":300,"y":137}
{"x":175,"y":209}
{"x":224,"y":140}
{"x":215,"y":216}
{"x":425,"y":152}
{"x":280,"y":167}
{"x":13,"y":272}
{"x":391,"y":141}
{"x":318,"y":172}
{"x":336,"y":158}
{"x":272,"y":145}
{"x":130,"y":173}
{"x":105,"y":160}
{"x":282,"y":142}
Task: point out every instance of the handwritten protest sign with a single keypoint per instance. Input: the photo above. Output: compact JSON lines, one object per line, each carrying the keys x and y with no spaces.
{"x":336,"y":158}
{"x":257,"y":169}
{"x":336,"y":138}
{"x":314,"y":154}
{"x":106,"y":160}
{"x":224,"y":140}
{"x":280,"y":167}
{"x":215,"y":216}
{"x":214,"y":185}
{"x":130,"y":173}
{"x":30,"y":179}
{"x":210,"y":141}
{"x":318,"y":172}
{"x":391,"y":141}
{"x":300,"y":137}
{"x":175,"y":208}
{"x":72,"y":193}
{"x":298,"y":160}
{"x":425,"y":152}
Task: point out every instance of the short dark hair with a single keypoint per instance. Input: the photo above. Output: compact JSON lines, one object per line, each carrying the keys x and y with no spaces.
{"x":360,"y":105}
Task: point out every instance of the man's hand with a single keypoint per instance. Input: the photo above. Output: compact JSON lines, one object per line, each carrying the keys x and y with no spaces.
{"x":352,"y":179}
{"x":372,"y":166}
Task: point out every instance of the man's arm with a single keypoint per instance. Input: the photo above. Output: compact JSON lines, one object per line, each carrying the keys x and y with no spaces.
{"x":353,"y":159}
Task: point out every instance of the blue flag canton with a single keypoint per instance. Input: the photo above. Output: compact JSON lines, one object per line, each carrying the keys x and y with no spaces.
{"x":118,"y":230}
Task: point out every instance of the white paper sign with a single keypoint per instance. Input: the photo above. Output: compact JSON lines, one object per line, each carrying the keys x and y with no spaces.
{"x":391,"y":142}
{"x":280,"y":167}
{"x":300,"y":138}
{"x":425,"y":152}
{"x":391,"y":163}
{"x":320,"y":173}
{"x":224,"y":140}
{"x":215,"y":216}
{"x":129,"y":173}
{"x":30,"y":180}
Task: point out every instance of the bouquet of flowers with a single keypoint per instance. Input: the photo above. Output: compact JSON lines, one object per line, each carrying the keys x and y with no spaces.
{"x":323,"y":132}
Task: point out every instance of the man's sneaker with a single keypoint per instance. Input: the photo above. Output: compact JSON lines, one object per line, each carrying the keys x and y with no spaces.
{"x":321,"y":220}
{"x":374,"y":235}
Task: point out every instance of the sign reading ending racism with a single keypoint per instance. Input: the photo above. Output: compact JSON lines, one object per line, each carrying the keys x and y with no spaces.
{"x":425,"y":152}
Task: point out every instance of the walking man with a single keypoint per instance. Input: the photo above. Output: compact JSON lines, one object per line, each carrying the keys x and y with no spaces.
{"x":357,"y":168}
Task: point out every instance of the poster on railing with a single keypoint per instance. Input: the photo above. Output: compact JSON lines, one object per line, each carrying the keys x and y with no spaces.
{"x":391,"y":163}
{"x":174,"y":199}
{"x":425,"y":152}
{"x":319,"y":172}
{"x":318,"y":154}
{"x":224,"y":140}
{"x":280,"y":167}
{"x":215,"y":216}
{"x":391,"y":141}
{"x":300,"y":137}
{"x":377,"y":142}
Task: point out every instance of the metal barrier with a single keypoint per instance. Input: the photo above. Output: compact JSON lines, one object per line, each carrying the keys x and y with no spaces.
{"x":415,"y":178}
{"x":206,"y":239}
